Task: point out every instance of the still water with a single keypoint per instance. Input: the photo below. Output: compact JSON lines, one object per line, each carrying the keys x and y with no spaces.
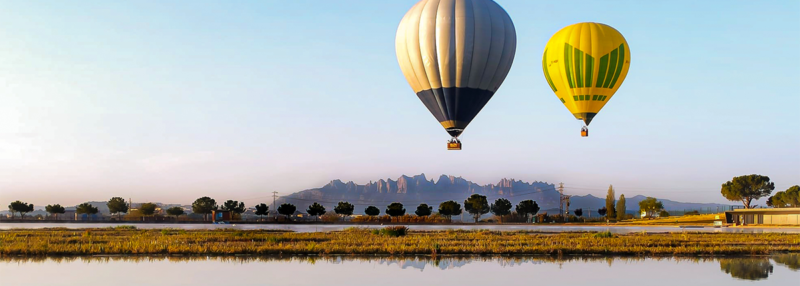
{"x":351,"y":271}
{"x":334,"y":227}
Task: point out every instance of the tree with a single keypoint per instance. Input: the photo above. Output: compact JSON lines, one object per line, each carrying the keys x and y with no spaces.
{"x":148,"y":209}
{"x":204,"y":206}
{"x":235,"y":207}
{"x":610,"y":211}
{"x":86,"y":208}
{"x":747,"y":188}
{"x":579,"y":212}
{"x":316,"y":210}
{"x":786,"y":199}
{"x":424,"y":210}
{"x":620,"y":209}
{"x":650,"y":206}
{"x":395,"y":210}
{"x":287,"y":209}
{"x":20,"y":207}
{"x":449,"y":209}
{"x":372,"y":211}
{"x":117,"y":205}
{"x":527,"y":208}
{"x":344,"y":209}
{"x":477,"y":206}
{"x":602,"y":211}
{"x":501,"y":207}
{"x":262,"y":209}
{"x":55,"y":210}
{"x":175,"y":211}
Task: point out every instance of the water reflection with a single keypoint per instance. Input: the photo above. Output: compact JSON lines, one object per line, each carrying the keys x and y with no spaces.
{"x":457,"y":270}
{"x":403,"y":262}
{"x":746,"y":268}
{"x":790,"y":260}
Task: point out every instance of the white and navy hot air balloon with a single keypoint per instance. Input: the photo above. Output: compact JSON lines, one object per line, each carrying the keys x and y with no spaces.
{"x":455,"y":54}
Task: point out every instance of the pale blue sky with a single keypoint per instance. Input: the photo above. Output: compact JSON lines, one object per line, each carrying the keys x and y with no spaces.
{"x":170,"y":100}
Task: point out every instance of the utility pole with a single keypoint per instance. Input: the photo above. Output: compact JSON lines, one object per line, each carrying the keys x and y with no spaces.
{"x":566,"y":215}
{"x":561,"y":198}
{"x":274,"y":198}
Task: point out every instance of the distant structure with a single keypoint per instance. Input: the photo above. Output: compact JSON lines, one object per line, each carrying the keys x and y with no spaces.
{"x":775,"y":216}
{"x":220,"y":215}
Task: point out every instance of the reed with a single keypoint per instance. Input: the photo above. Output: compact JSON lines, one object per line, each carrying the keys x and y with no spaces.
{"x":358,"y":241}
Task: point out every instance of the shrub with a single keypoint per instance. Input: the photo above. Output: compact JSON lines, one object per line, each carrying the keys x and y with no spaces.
{"x":692,"y":213}
{"x":330,"y":217}
{"x":663,"y":214}
{"x":604,"y":234}
{"x":393,"y":231}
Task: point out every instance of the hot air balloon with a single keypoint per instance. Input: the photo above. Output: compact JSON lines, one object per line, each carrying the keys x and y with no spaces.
{"x":585,"y":64}
{"x":455,"y":54}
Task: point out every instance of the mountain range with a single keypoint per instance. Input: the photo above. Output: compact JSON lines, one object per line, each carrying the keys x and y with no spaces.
{"x":413,"y":190}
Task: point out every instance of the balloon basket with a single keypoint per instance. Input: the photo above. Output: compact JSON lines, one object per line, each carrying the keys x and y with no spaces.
{"x":453,"y":145}
{"x":584,"y":132}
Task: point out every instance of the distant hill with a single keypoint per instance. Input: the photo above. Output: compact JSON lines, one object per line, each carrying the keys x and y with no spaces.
{"x":411,"y":191}
{"x":632,"y":203}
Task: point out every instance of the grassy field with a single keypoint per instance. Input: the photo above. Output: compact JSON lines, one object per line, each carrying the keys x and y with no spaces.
{"x":703,"y":219}
{"x":127,"y":241}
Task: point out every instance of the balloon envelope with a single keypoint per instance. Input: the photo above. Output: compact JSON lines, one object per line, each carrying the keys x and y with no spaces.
{"x":585,"y":64}
{"x":455,"y":54}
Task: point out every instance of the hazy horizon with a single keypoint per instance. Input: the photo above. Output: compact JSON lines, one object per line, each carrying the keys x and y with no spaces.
{"x":170,"y":101}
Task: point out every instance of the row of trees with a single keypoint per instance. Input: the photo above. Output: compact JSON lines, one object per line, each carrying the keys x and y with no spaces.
{"x":476,"y":205}
{"x":22,"y":208}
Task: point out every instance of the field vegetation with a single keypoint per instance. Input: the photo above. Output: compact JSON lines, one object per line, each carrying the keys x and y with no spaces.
{"x":359,"y":241}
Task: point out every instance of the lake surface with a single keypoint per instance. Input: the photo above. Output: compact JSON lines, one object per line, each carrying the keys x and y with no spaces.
{"x":333,"y":227}
{"x":350,"y":271}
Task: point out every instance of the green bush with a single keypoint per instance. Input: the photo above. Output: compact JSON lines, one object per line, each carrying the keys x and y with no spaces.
{"x":393,"y":231}
{"x":604,"y":234}
{"x":663,"y":214}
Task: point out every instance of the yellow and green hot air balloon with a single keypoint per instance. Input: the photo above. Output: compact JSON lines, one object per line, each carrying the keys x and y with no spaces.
{"x":455,"y":54}
{"x":585,"y":64}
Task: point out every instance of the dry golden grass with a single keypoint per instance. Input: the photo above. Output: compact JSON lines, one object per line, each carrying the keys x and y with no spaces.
{"x":355,"y":241}
{"x":703,"y":219}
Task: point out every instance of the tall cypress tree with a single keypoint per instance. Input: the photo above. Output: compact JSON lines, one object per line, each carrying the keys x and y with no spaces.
{"x":621,"y":207}
{"x":610,"y":212}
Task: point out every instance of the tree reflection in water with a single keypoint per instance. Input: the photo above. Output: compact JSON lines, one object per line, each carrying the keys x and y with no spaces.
{"x":747,"y":268}
{"x":790,"y":260}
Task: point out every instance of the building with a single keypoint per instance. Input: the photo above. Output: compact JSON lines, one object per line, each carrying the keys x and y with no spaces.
{"x":220,"y":215}
{"x":774,"y":216}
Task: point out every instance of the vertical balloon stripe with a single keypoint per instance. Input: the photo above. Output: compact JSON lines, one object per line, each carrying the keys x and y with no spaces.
{"x":465,"y":29}
{"x":601,"y":75}
{"x":578,"y":58}
{"x":496,"y":48}
{"x":589,"y":70}
{"x":568,"y":64}
{"x":620,"y":64}
{"x":612,"y":67}
{"x":481,"y":42}
{"x":445,"y":42}
{"x":547,"y":74}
